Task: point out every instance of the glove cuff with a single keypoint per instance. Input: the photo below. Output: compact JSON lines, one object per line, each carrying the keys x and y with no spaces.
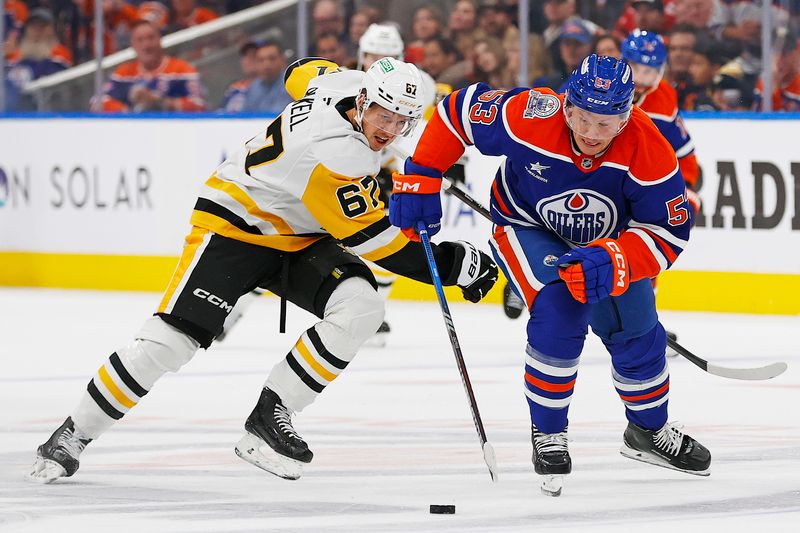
{"x":410,"y":167}
{"x":415,"y":184}
{"x":619,"y":261}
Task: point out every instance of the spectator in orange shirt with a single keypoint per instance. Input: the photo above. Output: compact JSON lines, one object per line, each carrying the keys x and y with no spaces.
{"x":16,"y":13}
{"x":153,"y":81}
{"x":186,"y":14}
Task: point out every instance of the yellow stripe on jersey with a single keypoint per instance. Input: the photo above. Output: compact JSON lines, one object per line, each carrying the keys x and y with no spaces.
{"x":249,"y":204}
{"x":113,"y":389}
{"x":318,"y":368}
{"x":193,"y":242}
{"x":396,"y":245}
{"x":220,"y":226}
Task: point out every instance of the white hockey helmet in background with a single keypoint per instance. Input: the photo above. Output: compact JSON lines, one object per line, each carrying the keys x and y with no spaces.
{"x":382,"y":40}
{"x":396,"y":86}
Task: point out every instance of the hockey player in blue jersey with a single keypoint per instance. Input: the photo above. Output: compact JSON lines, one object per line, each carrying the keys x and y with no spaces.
{"x":588,"y":207}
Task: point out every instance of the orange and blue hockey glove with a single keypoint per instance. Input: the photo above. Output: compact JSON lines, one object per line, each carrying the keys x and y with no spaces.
{"x":598,"y":271}
{"x":415,"y":197}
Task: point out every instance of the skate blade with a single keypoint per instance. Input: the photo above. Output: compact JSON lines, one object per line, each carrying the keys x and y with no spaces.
{"x":636,"y":455}
{"x":258,"y":453}
{"x":552,"y":485}
{"x":45,"y":471}
{"x":377,"y":341}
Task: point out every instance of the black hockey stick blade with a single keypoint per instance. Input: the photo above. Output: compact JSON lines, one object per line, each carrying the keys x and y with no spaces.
{"x":760,"y":373}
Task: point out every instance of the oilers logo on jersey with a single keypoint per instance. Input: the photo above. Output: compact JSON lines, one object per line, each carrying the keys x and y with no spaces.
{"x":579,"y":216}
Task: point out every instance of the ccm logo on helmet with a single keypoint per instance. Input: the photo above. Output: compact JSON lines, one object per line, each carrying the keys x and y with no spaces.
{"x":619,"y":262}
{"x":213,"y":299}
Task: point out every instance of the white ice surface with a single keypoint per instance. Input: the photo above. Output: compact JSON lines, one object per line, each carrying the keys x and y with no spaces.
{"x":392,"y":435}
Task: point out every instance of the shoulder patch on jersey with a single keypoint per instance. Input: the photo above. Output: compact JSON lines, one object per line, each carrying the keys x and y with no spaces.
{"x":541,"y":105}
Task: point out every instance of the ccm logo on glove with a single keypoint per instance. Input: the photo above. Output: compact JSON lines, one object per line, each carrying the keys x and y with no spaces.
{"x":598,"y":271}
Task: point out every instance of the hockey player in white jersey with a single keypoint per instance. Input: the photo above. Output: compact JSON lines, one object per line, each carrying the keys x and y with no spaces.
{"x":291,"y":212}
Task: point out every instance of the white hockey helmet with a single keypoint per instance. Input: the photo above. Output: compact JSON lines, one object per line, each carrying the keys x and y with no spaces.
{"x":396,"y":86}
{"x":381,"y":40}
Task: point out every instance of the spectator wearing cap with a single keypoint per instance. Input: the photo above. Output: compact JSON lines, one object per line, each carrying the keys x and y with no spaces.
{"x":574,"y":44}
{"x":267,"y":93}
{"x":233,"y":98}
{"x":38,"y":53}
{"x":786,"y":74}
{"x":426,"y":25}
{"x":656,"y":16}
{"x":462,"y":26}
{"x":152,"y":82}
{"x":154,"y":12}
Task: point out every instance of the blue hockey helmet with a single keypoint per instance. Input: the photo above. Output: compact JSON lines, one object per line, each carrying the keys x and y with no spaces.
{"x":645,"y":48}
{"x":602,"y":85}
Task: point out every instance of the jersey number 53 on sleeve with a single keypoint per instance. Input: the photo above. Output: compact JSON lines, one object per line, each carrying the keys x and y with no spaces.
{"x":678,"y":214}
{"x":270,"y":151}
{"x":480,"y":113}
{"x":358,"y":198}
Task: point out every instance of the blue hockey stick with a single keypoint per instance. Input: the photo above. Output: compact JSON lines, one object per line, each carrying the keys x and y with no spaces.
{"x":488,"y":452}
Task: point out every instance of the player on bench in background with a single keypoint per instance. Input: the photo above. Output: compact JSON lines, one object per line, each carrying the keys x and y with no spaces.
{"x":289,"y":212}
{"x":588,"y":207}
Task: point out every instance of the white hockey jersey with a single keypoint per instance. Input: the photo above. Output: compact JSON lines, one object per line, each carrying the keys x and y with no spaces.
{"x":310,"y":174}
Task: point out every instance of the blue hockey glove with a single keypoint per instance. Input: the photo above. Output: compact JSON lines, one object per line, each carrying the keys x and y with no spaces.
{"x":415,"y":197}
{"x":598,"y":271}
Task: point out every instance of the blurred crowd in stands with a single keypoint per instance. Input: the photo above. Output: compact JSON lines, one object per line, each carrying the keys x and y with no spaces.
{"x":714,"y":46}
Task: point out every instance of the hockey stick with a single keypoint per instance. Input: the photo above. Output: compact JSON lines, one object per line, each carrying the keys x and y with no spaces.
{"x":749,"y":374}
{"x":488,"y":452}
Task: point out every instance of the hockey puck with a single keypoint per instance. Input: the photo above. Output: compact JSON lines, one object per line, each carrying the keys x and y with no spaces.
{"x":443,"y":509}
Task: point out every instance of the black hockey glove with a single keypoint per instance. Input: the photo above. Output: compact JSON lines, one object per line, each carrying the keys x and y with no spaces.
{"x":473,"y":271}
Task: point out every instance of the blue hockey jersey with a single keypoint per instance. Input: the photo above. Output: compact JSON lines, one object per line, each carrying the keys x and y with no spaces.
{"x":633,"y":191}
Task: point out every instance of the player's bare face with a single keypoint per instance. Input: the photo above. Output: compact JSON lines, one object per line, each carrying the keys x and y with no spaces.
{"x":592,"y":132}
{"x":645,"y":78}
{"x":381,"y":126}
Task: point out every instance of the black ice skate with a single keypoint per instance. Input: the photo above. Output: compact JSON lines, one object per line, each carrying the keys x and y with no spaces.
{"x":58,"y":457}
{"x":551,"y":459}
{"x":381,"y":336}
{"x":668,"y":447}
{"x":512,"y":304}
{"x":271,"y":443}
